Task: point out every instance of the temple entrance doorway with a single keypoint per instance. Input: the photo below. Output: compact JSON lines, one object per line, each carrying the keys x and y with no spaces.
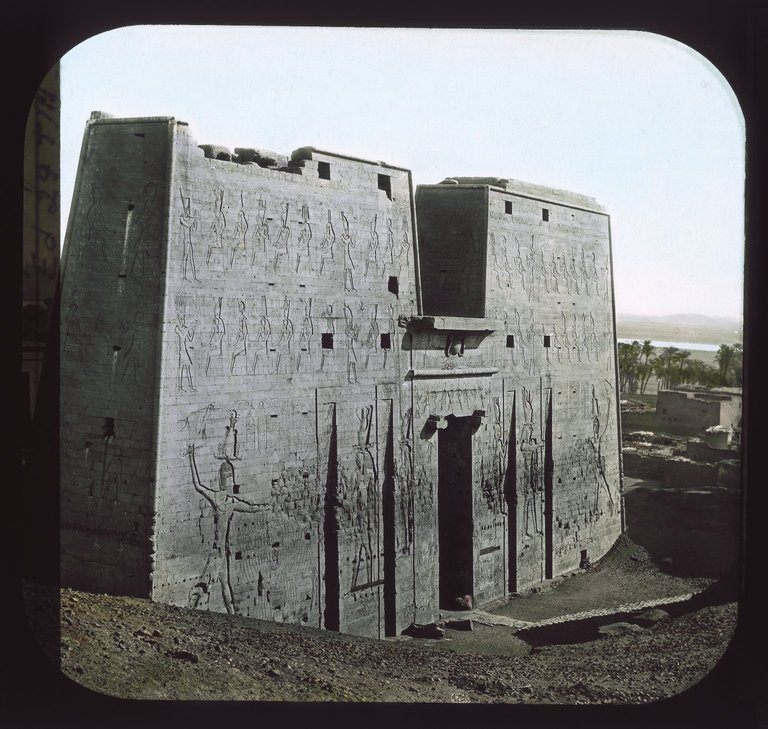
{"x":454,"y":508}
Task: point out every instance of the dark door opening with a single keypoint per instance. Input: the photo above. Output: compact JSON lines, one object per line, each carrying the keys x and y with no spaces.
{"x":454,"y":508}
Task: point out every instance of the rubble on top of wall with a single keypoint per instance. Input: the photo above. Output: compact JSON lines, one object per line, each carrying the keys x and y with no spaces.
{"x":719,"y":429}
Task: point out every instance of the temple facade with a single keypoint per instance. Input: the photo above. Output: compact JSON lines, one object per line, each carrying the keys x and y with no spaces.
{"x":281,"y":397}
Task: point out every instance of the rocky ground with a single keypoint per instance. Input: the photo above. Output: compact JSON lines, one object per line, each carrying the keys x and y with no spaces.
{"x":581,"y":639}
{"x":133,"y":648}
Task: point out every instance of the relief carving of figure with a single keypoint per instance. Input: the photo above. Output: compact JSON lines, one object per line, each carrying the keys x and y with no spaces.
{"x":305,"y":335}
{"x":372,"y":257}
{"x":389,"y":248}
{"x":261,"y":240}
{"x":530,"y":266}
{"x":593,"y":273}
{"x":365,"y":517}
{"x":283,"y":344}
{"x":597,"y":459}
{"x":128,"y":349}
{"x":305,"y":236}
{"x":372,"y":337}
{"x":584,"y":336}
{"x":585,"y":274}
{"x":594,"y":340}
{"x":348,"y":243}
{"x":185,"y":336}
{"x":240,"y":347}
{"x":531,"y":475}
{"x":404,"y":485}
{"x":222,"y":496}
{"x":544,"y":273}
{"x":574,"y":273}
{"x":280,"y":244}
{"x":216,"y":342}
{"x":228,"y":448}
{"x":326,"y":244}
{"x":554,"y":276}
{"x":506,"y":267}
{"x":565,"y":340}
{"x":495,"y":264}
{"x":520,"y":265}
{"x":218,"y":225}
{"x":98,"y":230}
{"x":364,"y":419}
{"x":262,"y":336}
{"x":188,"y":221}
{"x":404,"y":252}
{"x":351,"y":331}
{"x":147,"y":236}
{"x":240,"y":233}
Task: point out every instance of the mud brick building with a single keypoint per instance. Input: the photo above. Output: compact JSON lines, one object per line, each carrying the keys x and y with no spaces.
{"x":700,"y":410}
{"x":280,"y":399}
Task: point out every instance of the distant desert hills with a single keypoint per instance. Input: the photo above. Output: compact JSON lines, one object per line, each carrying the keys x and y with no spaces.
{"x":697,"y":328}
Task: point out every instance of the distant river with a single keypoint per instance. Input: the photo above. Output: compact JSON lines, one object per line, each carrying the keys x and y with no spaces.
{"x":679,"y":345}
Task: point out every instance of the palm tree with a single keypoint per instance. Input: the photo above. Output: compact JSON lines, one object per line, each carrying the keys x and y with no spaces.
{"x":680,"y":357}
{"x":647,"y":351}
{"x":738,"y":356}
{"x":664,"y":368}
{"x":627,"y":366}
{"x":724,"y":358}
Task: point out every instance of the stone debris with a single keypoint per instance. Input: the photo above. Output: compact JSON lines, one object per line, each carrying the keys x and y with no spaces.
{"x":651,"y":616}
{"x":184,"y":655}
{"x":464,"y":602}
{"x":430,"y":630}
{"x":621,"y":628}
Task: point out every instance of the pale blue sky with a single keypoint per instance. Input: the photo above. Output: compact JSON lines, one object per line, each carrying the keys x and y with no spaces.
{"x":642,"y":123}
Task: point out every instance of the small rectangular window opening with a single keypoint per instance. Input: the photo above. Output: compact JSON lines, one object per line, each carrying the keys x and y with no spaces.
{"x":385,"y":183}
{"x":545,"y":214}
{"x":386,"y":342}
{"x":508,"y":207}
{"x":324,"y":170}
{"x":393,"y":286}
{"x":510,"y":340}
{"x":547,"y":340}
{"x":327,"y":341}
{"x":109,"y":427}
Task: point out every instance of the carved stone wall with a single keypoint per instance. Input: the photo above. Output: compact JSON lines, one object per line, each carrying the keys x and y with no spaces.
{"x":549,"y":303}
{"x":237,"y":304}
{"x":253,"y":395}
{"x":111,"y":304}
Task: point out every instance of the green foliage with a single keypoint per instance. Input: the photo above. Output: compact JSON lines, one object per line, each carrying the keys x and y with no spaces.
{"x":729,"y":359}
{"x":673,"y":367}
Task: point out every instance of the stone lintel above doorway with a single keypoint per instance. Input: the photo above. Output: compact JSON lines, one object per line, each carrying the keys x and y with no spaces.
{"x":432,"y":372}
{"x":450,"y":324}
